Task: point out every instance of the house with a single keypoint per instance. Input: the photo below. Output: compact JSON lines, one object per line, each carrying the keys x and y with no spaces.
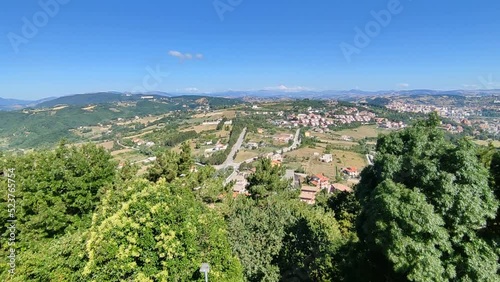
{"x":241,"y":184}
{"x":252,"y":145}
{"x":277,"y":157}
{"x":284,"y":138}
{"x":340,"y":187}
{"x":275,"y":163}
{"x":220,"y":147}
{"x":149,"y":160}
{"x":308,"y":194}
{"x":295,"y":178}
{"x":350,"y":171}
{"x":138,"y":141}
{"x":320,"y":181}
{"x":327,"y":158}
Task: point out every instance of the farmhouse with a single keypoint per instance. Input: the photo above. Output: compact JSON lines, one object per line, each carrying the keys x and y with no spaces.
{"x":327,"y":158}
{"x":308,"y":194}
{"x":283,"y":137}
{"x":320,"y":181}
{"x":350,"y":171}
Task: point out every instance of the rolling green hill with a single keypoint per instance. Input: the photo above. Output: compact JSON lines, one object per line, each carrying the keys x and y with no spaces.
{"x":43,"y":127}
{"x":93,"y":98}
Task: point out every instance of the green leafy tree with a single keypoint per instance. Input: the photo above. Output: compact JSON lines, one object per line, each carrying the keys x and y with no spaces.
{"x":267,"y":179}
{"x":185,"y":159}
{"x":128,"y":171}
{"x":166,"y":165}
{"x":494,"y":224}
{"x":345,"y":208}
{"x":424,"y":203}
{"x":60,"y":259}
{"x":309,"y":246}
{"x":256,"y":232}
{"x":159,"y":233}
{"x":58,"y":188}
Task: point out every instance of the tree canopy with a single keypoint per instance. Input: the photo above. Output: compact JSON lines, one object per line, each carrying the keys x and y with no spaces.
{"x":424,"y":204}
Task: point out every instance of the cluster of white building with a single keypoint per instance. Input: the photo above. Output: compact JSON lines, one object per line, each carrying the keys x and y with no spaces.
{"x":352,"y":114}
{"x":311,"y":119}
{"x":457,"y":112}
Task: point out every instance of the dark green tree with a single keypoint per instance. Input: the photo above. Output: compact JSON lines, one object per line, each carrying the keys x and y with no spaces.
{"x":166,"y":165}
{"x":494,"y":224}
{"x":256,"y":232}
{"x":424,"y":203}
{"x":58,"y":188}
{"x":309,"y":246}
{"x":185,"y":159}
{"x":267,"y":179}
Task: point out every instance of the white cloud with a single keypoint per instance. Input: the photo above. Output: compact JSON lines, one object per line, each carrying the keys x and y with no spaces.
{"x":176,"y":54}
{"x":184,"y":56}
{"x":192,"y":89}
{"x":285,"y":88}
{"x":470,"y":86}
{"x":403,"y":85}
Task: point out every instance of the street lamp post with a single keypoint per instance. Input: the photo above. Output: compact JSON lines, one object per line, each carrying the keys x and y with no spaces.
{"x":205,"y":268}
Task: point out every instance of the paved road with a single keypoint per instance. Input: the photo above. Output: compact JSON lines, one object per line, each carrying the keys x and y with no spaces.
{"x":230,"y":158}
{"x":126,"y":147}
{"x":296,"y":141}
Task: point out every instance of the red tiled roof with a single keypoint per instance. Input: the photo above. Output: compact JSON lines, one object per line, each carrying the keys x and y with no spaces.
{"x":321,"y":177}
{"x":341,"y":187}
{"x":351,"y":169}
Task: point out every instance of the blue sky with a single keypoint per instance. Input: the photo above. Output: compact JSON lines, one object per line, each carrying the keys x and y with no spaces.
{"x":90,"y":45}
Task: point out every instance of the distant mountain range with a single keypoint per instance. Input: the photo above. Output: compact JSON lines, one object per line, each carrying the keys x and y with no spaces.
{"x":113,"y":96}
{"x":343,"y":94}
{"x":14,"y":104}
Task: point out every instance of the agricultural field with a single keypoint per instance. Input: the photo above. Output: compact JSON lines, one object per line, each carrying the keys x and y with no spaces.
{"x":243,"y":155}
{"x":128,"y":155}
{"x":203,"y":127}
{"x":229,"y":114}
{"x":361,"y":132}
{"x":495,"y":143}
{"x":107,"y":145}
{"x":307,"y":159}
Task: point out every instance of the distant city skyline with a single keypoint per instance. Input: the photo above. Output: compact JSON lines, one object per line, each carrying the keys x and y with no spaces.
{"x":62,"y":47}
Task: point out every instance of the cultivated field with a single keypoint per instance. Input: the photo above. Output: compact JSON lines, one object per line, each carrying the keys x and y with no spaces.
{"x":215,"y":115}
{"x":495,"y":143}
{"x":361,"y":132}
{"x":107,"y":145}
{"x":243,"y":155}
{"x":306,"y":159}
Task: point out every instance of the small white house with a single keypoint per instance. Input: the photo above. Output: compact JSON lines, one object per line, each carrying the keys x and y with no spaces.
{"x":327,"y":158}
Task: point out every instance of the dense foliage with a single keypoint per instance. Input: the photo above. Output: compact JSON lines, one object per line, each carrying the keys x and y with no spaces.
{"x":424,"y":204}
{"x":427,"y":210}
{"x":158,"y":232}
